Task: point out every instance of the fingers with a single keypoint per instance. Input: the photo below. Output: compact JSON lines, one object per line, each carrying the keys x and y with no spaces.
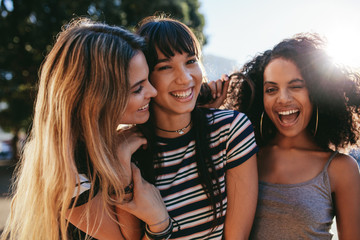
{"x":147,"y":203}
{"x":130,"y":140}
{"x":216,"y":88}
{"x":136,"y":143}
{"x":137,"y":178}
{"x":213,"y":88}
{"x":225,"y":86}
{"x":219,"y":86}
{"x":137,"y":181}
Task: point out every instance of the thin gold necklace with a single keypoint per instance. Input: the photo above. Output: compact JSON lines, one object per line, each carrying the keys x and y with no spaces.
{"x":179,"y":131}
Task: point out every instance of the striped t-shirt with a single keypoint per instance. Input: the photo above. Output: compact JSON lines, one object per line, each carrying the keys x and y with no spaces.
{"x":232,"y":143}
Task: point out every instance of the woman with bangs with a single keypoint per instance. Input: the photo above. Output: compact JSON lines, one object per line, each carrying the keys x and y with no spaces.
{"x":202,"y":160}
{"x":76,"y":165}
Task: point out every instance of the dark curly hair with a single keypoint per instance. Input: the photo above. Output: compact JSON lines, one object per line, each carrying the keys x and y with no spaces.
{"x":334,"y":91}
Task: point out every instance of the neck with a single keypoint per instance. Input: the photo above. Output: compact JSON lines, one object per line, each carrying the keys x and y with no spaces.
{"x":173,"y":126}
{"x":301,"y":141}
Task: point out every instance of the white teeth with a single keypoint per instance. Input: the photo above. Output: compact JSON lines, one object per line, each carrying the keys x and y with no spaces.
{"x":184,"y":94}
{"x":144,"y":107}
{"x":288,"y":112}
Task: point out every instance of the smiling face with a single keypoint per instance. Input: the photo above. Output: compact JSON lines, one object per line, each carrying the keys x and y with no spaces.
{"x":141,"y":91}
{"x":286,"y":98}
{"x":177,"y":80}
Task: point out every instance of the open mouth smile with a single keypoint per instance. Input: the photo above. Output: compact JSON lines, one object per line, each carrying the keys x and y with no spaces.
{"x":288,"y":117}
{"x":183,"y":95}
{"x":145,"y":107}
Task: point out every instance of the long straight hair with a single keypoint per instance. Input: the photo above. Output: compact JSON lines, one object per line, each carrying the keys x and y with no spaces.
{"x":83,"y":92}
{"x":171,"y":36}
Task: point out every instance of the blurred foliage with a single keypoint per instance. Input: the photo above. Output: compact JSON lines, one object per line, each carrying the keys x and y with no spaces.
{"x":28,"y":30}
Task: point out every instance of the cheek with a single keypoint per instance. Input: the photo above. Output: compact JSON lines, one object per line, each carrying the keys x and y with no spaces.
{"x":134,"y":104}
{"x":157,"y":83}
{"x":198,"y":73}
{"x":267,"y":105}
{"x":307,"y":105}
{"x":308,"y":112}
{"x":198,"y":77}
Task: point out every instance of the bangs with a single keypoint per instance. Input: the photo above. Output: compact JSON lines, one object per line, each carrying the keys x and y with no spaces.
{"x":169,"y":37}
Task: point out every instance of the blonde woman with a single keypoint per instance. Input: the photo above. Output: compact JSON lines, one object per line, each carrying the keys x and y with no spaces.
{"x":76,"y":166}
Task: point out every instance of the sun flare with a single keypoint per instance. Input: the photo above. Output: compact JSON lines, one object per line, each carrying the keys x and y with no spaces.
{"x":344,"y":46}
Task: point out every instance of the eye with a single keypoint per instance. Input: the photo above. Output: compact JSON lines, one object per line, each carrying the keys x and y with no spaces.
{"x":270,"y":90}
{"x":192,"y":61}
{"x":139,"y":89}
{"x":297,"y":87}
{"x":163,"y":68}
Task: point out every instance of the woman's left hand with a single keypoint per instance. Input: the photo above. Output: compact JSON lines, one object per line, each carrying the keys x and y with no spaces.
{"x":146,"y":204}
{"x":129,"y":141}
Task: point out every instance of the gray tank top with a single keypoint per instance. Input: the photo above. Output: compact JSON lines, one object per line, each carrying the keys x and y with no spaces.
{"x":295,"y":211}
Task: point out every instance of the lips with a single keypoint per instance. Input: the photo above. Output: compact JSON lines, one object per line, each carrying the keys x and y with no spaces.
{"x":182,"y":95}
{"x":145,"y":107}
{"x":288,"y":117}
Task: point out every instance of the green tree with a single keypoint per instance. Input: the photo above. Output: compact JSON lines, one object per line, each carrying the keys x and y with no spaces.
{"x":28,"y":29}
{"x":186,"y":11}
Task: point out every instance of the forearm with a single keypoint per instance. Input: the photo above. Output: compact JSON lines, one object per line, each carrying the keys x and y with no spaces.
{"x":130,"y":225}
{"x":242,"y":191}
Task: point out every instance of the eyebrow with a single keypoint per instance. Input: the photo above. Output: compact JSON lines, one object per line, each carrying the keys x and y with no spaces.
{"x":163,"y":60}
{"x":292,"y":81}
{"x":297,"y":80}
{"x":137,"y":84}
{"x":168,"y":59}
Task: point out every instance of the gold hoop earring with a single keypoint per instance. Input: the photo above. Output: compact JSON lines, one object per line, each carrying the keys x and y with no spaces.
{"x":317,"y":121}
{"x":261,"y":124}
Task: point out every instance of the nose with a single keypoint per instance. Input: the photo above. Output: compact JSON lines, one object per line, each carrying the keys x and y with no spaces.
{"x":151,"y":91}
{"x":183,"y":76}
{"x":284,"y":96}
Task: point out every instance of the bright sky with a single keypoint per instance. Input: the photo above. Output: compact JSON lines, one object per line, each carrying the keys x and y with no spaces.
{"x":238,"y":29}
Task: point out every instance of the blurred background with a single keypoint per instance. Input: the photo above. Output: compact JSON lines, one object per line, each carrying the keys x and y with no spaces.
{"x":231,"y":32}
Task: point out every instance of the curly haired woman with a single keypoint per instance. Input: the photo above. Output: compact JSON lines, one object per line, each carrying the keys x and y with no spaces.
{"x":304,"y":109}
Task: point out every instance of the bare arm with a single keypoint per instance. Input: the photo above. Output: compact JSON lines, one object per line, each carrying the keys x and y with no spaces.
{"x":345,"y":180}
{"x":242,"y":192}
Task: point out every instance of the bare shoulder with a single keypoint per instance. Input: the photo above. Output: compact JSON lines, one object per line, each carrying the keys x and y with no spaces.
{"x":343,"y":170}
{"x":343,"y":162}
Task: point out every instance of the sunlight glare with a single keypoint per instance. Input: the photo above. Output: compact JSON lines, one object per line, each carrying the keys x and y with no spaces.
{"x":344,"y":46}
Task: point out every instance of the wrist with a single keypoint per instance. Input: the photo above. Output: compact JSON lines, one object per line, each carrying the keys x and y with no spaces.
{"x":159,"y":226}
{"x":163,"y":234}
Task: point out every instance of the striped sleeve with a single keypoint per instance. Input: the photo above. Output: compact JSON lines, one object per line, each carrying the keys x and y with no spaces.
{"x":82,"y":189}
{"x":241,"y":143}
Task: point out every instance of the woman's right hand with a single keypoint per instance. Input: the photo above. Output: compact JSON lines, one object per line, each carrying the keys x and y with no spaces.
{"x":147,"y":203}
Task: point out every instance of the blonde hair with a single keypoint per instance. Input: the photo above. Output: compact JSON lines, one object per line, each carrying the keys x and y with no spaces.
{"x":83,"y":91}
